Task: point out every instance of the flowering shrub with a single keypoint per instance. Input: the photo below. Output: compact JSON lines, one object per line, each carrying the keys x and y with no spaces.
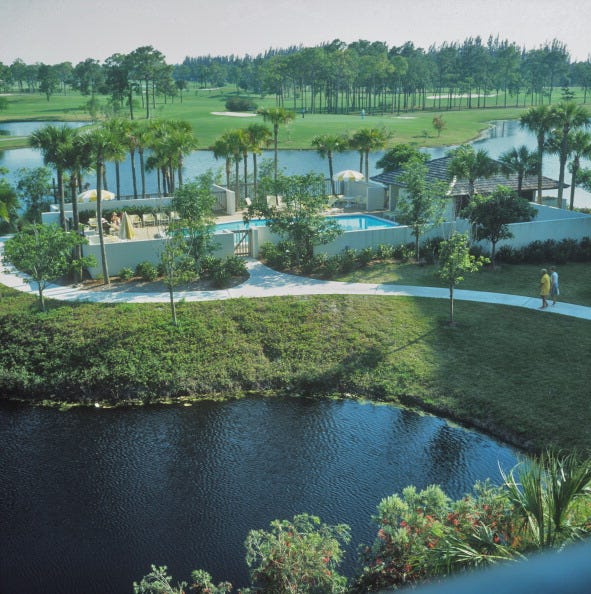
{"x":424,"y":534}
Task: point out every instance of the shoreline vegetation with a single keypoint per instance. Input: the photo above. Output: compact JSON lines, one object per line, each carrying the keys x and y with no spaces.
{"x":512,"y":374}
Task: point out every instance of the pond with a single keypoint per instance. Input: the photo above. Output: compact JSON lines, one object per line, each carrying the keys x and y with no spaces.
{"x":92,"y":497}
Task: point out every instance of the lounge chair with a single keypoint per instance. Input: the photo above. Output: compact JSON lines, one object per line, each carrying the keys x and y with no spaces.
{"x":135,"y":220}
{"x":174,"y":216}
{"x":162,"y":219}
{"x":148,"y":220}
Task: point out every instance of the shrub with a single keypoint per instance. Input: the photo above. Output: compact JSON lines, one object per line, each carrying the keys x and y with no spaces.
{"x":277,"y":256}
{"x":126,"y":274}
{"x":431,"y":249}
{"x":384,"y":251}
{"x":365,"y":256}
{"x":235,"y":266}
{"x":347,"y":260}
{"x":240,"y":104}
{"x":147,"y":271}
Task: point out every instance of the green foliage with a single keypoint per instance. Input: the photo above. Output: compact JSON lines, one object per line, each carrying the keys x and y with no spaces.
{"x":44,"y":252}
{"x":455,"y":260}
{"x":158,"y":582}
{"x":126,"y":274}
{"x":546,"y":492}
{"x":299,"y":556}
{"x":422,"y":203}
{"x":492,"y":214}
{"x":399,"y":155}
{"x":194,"y":201}
{"x":299,"y":215}
{"x":201,"y":584}
{"x":33,"y":186}
{"x":147,"y":271}
{"x":240,"y":104}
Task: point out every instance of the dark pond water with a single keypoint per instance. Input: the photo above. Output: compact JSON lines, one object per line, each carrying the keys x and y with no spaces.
{"x":502,"y":136}
{"x":90,"y":497}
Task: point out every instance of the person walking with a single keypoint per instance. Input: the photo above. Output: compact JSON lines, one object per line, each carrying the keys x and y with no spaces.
{"x":554,"y":289}
{"x":544,"y":288}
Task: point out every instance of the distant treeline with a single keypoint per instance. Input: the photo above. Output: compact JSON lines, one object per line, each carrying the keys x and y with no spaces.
{"x":333,"y":77}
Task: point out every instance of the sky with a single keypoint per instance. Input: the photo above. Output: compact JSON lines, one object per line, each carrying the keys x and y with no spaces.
{"x":72,"y":30}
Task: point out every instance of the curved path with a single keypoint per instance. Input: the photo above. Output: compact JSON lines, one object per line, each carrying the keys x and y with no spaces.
{"x":265,"y":282}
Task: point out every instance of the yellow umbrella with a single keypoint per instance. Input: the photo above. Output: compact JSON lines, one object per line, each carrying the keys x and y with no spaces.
{"x":90,"y":195}
{"x":126,"y":230}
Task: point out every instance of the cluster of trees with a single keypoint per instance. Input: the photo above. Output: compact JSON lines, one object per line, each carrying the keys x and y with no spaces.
{"x":543,"y":503}
{"x":333,"y":77}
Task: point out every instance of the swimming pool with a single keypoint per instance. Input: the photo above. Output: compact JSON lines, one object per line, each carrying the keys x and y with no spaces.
{"x":353,"y":222}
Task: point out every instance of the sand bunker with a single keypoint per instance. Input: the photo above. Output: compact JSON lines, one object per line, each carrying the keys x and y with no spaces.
{"x":234,"y":114}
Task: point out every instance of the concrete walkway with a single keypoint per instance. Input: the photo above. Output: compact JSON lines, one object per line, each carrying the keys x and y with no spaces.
{"x":265,"y":282}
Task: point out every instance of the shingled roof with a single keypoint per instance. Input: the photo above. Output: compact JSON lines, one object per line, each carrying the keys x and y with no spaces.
{"x":437,"y":170}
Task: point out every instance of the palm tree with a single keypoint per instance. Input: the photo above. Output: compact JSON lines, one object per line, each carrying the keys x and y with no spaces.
{"x":580,"y":145}
{"x":102,"y":145}
{"x":566,"y":116}
{"x":538,"y":120}
{"x":545,"y":492}
{"x":276,"y":115}
{"x":182,"y":142}
{"x":367,"y":140}
{"x":118,"y":129}
{"x":326,"y":145}
{"x":257,"y":136}
{"x":51,"y":140}
{"x":222,"y":150}
{"x":235,"y":142}
{"x":468,"y":163}
{"x":520,"y":161}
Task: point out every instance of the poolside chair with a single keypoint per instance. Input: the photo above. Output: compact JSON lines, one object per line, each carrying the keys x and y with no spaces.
{"x":162,"y":219}
{"x":148,"y":219}
{"x":93,"y":223}
{"x":248,"y":201}
{"x":174,"y":216}
{"x":135,"y":220}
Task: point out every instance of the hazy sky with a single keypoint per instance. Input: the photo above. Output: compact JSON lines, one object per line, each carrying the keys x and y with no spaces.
{"x":53,"y":31}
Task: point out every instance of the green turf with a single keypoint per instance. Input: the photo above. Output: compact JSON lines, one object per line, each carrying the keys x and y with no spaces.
{"x":198,"y":106}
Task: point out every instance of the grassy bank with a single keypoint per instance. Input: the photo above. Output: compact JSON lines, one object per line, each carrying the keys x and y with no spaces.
{"x":514,"y":373}
{"x":198,"y":108}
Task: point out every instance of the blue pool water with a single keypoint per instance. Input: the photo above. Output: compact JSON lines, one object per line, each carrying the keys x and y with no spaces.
{"x":354,"y":222}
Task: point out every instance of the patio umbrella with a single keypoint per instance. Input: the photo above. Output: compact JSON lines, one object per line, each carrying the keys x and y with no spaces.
{"x":348,"y":175}
{"x":126,"y":230}
{"x":90,"y":195}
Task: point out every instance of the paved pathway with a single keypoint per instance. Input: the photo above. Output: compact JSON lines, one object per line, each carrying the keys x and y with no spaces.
{"x":265,"y":282}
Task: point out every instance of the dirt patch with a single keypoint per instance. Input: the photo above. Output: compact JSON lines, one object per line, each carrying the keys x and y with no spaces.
{"x":138,"y":285}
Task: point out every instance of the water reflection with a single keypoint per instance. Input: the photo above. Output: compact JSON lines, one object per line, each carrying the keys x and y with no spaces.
{"x":92,"y":497}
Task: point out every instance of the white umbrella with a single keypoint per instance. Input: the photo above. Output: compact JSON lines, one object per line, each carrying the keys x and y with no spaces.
{"x":126,"y":230}
{"x":348,"y":175}
{"x":90,"y":195}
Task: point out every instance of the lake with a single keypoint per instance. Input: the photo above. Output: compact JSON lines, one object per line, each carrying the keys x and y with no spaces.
{"x":502,"y":136}
{"x":92,"y":497}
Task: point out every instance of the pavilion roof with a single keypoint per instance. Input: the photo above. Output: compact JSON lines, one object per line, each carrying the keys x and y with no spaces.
{"x":437,"y":170}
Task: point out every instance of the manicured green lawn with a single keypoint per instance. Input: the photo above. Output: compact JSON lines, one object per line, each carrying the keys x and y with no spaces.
{"x":198,"y":106}
{"x":512,"y":372}
{"x":515,"y":279}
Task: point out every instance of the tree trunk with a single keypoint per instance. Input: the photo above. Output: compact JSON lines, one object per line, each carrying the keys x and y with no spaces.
{"x":99,"y":221}
{"x":451,"y":304}
{"x":133,"y":172}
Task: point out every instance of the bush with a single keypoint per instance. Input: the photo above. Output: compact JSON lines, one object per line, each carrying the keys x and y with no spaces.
{"x":384,"y":251}
{"x":147,"y":271}
{"x":235,"y":266}
{"x":277,"y":256}
{"x":365,"y":256}
{"x":126,"y":274}
{"x":240,"y":104}
{"x":347,"y":260}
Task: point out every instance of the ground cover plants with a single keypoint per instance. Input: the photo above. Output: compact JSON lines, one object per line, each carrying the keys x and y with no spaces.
{"x":514,"y":373}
